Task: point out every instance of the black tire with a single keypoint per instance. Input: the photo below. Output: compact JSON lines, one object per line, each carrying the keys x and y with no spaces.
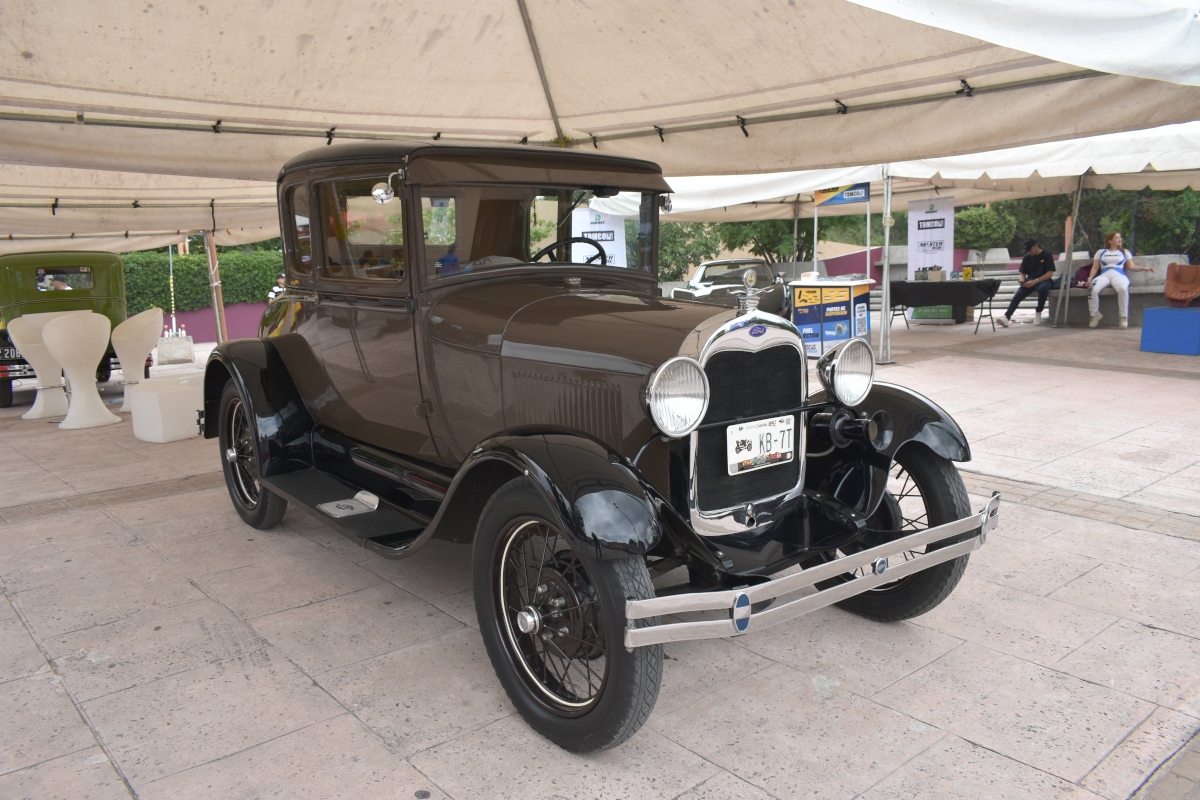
{"x":586,"y":692}
{"x":6,"y":397}
{"x":146,"y":372}
{"x":257,"y":505}
{"x":104,"y":371}
{"x":940,"y":497}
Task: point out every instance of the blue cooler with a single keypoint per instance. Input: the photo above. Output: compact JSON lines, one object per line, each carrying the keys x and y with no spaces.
{"x":1171,"y":330}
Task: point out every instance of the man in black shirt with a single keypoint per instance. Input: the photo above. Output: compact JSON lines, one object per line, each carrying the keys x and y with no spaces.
{"x":1037,"y":271}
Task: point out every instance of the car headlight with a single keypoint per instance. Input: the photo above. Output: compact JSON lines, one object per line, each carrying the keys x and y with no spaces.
{"x":847,"y":371}
{"x":677,"y":396}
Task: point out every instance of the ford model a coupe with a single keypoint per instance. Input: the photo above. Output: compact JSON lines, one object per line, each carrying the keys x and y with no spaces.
{"x":451,"y":360}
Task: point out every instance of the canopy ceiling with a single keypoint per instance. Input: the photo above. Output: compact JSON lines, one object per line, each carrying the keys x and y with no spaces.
{"x":231,"y":90}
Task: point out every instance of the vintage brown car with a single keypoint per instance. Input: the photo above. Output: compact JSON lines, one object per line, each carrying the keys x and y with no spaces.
{"x":450,"y":360}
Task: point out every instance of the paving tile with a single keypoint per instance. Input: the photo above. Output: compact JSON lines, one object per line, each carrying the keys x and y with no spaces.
{"x":38,"y":722}
{"x":1032,"y":568}
{"x":1179,"y":492}
{"x":162,"y":519}
{"x":84,"y":775}
{"x":507,"y":759}
{"x":1028,"y":523}
{"x":1156,"y":600}
{"x":1152,"y":664}
{"x":335,"y":758}
{"x":1046,"y":719}
{"x":1122,"y":455}
{"x":239,"y":546}
{"x":460,"y":605}
{"x":1022,"y":446}
{"x":286,"y":581}
{"x":1081,"y":472}
{"x":1153,"y":552}
{"x":1024,"y":625}
{"x":694,"y":669}
{"x":984,"y":462}
{"x":436,"y":570}
{"x":64,"y":530}
{"x":458,"y":691}
{"x":353,"y":627}
{"x":185,"y":720}
{"x":1131,"y":763}
{"x":786,"y":724}
{"x":19,"y":654}
{"x":149,"y":646}
{"x":860,"y":655}
{"x":725,"y":786}
{"x":953,"y":768}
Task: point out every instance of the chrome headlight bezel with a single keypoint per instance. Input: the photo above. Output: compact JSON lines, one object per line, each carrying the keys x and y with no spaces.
{"x":850,"y":391}
{"x":655,"y":392}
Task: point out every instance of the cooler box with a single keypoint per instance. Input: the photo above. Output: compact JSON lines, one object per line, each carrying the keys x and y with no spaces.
{"x":1171,"y":330}
{"x":829,"y":311}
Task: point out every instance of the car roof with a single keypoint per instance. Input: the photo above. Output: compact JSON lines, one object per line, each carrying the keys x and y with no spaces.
{"x":734,"y":261}
{"x":436,"y":162}
{"x":62,"y":258}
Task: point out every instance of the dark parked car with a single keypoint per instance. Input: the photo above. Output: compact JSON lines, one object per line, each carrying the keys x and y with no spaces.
{"x":721,"y":283}
{"x":451,"y":360}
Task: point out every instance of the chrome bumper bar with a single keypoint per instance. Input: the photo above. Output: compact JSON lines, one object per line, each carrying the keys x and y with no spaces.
{"x":738,"y":602}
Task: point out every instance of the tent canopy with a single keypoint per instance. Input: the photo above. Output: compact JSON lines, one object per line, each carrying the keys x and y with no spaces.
{"x":231,"y":89}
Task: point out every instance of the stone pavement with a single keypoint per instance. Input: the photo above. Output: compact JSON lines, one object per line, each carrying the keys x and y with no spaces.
{"x":153,"y":646}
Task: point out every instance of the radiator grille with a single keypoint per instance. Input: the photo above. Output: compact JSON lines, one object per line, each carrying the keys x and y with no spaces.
{"x":746,"y":385}
{"x":590,"y":406}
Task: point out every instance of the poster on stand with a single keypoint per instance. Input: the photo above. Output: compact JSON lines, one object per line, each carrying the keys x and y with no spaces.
{"x":605,"y":229}
{"x":931,"y":245}
{"x":840,"y":195}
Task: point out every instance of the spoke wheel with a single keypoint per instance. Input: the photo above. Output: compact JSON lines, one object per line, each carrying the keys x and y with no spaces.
{"x":553,"y":621}
{"x":257,"y":505}
{"x":551,"y":617}
{"x":240,"y":455}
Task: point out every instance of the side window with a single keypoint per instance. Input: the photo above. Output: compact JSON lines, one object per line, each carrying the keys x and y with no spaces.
{"x":302,"y":230}
{"x":439,"y":219}
{"x":363,"y":239}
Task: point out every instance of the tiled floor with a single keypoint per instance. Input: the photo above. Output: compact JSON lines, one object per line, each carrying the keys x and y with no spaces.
{"x":151,"y":643}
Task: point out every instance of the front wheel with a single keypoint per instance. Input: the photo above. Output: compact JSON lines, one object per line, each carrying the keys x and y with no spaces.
{"x":6,"y":394}
{"x":924,"y":491}
{"x":257,"y":505}
{"x":553,"y":621}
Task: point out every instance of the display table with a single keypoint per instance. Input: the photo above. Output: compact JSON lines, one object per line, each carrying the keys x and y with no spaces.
{"x":1171,"y":330}
{"x":958,"y":294}
{"x":829,"y":311}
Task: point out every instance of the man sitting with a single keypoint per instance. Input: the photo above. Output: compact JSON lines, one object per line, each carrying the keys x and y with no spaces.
{"x":1037,"y":272}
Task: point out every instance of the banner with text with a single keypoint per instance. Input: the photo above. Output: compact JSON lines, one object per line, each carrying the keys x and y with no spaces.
{"x":841,"y":195}
{"x":603,"y":229}
{"x":931,"y":244}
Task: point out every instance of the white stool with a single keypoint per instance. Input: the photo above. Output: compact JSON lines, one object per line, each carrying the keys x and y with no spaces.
{"x":164,"y":409}
{"x":26,"y":334}
{"x":78,"y":342}
{"x":133,"y":340}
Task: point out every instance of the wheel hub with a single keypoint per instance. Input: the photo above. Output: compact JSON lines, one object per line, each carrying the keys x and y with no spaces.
{"x":529,"y":621}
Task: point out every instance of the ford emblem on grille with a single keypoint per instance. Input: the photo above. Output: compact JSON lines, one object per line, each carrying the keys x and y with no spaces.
{"x":758,"y":330}
{"x":741,"y":612}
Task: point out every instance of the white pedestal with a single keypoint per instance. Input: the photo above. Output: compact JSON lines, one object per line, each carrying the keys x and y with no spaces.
{"x":26,"y":333}
{"x":164,"y":409}
{"x":176,"y":350}
{"x":78,"y":342}
{"x":133,"y":340}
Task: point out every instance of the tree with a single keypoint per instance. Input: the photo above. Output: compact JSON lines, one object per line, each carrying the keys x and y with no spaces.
{"x":681,"y":246}
{"x":770,"y":239}
{"x":980,"y":228}
{"x":852,"y":229}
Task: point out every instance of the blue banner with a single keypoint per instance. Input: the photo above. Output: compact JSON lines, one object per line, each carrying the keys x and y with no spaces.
{"x":841,"y":195}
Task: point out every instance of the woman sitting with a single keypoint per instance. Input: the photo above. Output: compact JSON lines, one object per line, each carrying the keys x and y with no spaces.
{"x":1111,"y":263}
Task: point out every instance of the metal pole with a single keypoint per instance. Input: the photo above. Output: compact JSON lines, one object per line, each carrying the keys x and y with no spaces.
{"x":868,"y":233}
{"x":214,"y":282}
{"x":884,"y":356}
{"x":796,"y":233}
{"x":1064,"y":286}
{"x":815,"y":267}
{"x":171,"y":283}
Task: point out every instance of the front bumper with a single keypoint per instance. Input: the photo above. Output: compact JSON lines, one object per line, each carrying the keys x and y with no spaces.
{"x":739,"y":602}
{"x":15,"y":371}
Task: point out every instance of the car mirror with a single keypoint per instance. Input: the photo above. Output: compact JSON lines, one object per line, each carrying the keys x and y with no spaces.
{"x":382,"y":192}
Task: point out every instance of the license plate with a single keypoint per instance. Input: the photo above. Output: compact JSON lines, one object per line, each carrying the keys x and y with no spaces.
{"x":760,"y":444}
{"x":9,"y":354}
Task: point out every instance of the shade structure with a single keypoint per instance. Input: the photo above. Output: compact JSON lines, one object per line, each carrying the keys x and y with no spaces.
{"x":231,"y":90}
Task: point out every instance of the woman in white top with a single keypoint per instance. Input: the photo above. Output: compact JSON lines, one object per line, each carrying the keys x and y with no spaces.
{"x":1112,"y":263}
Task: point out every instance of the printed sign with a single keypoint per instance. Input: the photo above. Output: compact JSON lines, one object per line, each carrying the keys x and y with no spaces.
{"x":605,"y":229}
{"x":931,"y":244}
{"x":841,"y":195}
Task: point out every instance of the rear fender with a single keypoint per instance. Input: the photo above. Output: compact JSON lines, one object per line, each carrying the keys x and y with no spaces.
{"x":595,"y":497}
{"x":857,"y":474}
{"x":283,"y":441}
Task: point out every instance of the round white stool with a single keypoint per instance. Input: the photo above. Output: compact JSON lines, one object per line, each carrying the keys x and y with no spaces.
{"x":26,"y":334}
{"x":78,"y":342}
{"x":133,"y":340}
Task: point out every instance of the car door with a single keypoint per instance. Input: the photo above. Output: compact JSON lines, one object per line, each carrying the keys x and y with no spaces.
{"x":365,"y":318}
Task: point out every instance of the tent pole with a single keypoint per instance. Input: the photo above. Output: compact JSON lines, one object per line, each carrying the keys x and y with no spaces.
{"x":171,"y":283}
{"x":796,"y":233}
{"x":868,"y":234}
{"x":884,"y":356}
{"x":816,"y":268}
{"x":561,"y":140}
{"x":1068,"y":275}
{"x":214,"y":281}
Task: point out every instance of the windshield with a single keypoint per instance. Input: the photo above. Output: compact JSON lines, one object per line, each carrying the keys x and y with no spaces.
{"x":731,"y":273}
{"x":471,"y":228}
{"x":64,"y":279}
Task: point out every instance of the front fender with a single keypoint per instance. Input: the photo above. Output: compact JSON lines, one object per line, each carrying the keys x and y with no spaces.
{"x":597,"y":498}
{"x":283,"y":427}
{"x":857,"y":475}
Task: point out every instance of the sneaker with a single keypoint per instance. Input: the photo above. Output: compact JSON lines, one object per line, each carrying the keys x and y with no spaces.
{"x":1004,"y":321}
{"x":1037,"y":318}
{"x":1095,"y":320}
{"x":1124,"y":322}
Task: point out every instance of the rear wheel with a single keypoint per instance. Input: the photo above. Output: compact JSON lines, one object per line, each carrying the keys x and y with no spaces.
{"x":924,"y":491}
{"x":6,"y":396}
{"x":257,"y":505}
{"x":553,"y":621}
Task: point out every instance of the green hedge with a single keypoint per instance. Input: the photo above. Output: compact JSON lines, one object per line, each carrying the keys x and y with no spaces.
{"x":246,"y":277}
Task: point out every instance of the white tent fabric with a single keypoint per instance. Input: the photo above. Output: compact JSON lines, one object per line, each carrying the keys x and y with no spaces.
{"x":228,"y":89}
{"x":1156,"y":39}
{"x":1166,"y":158}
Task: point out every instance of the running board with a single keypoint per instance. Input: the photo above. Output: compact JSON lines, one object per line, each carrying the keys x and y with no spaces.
{"x":357,"y":515}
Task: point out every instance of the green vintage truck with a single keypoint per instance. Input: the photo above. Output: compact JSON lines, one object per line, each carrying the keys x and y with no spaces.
{"x":32,"y":283}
